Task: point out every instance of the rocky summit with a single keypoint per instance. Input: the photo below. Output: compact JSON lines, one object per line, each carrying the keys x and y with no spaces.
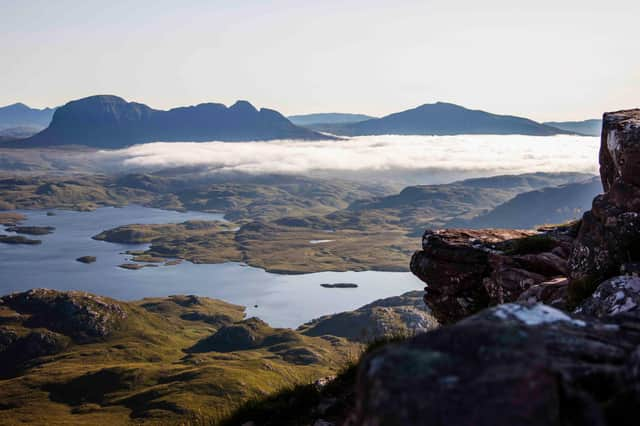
{"x":546,"y":323}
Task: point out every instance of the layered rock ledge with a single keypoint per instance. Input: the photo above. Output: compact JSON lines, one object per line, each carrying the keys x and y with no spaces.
{"x":468,"y":270}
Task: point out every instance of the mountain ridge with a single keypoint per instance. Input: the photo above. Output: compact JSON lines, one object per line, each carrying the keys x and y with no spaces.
{"x":108,"y":121}
{"x":20,"y":115}
{"x":443,"y":118}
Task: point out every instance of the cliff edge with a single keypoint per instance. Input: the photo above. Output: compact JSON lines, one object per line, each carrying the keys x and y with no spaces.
{"x":547,"y":323}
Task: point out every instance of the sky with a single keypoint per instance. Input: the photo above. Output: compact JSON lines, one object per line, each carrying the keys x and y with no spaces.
{"x":543,"y":59}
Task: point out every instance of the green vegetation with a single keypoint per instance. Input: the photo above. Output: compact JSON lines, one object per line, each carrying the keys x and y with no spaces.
{"x":329,"y":399}
{"x":94,"y":360}
{"x":530,"y":245}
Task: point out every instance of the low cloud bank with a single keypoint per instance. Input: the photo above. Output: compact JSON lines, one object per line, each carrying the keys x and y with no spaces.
{"x":475,"y":154}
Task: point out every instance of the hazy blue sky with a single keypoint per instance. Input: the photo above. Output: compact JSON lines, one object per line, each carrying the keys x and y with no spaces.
{"x":560,"y":59}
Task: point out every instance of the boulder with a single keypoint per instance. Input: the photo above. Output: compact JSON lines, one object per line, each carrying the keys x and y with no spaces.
{"x":468,"y":270}
{"x":515,"y":364}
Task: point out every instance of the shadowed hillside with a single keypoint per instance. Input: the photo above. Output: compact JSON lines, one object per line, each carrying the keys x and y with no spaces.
{"x":106,"y":121}
{"x":445,"y":119}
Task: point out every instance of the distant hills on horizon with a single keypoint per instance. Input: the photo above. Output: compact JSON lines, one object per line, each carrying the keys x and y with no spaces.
{"x":591,"y":127}
{"x":442,"y":118}
{"x":544,"y":206}
{"x":107,"y":121}
{"x":19,"y":115}
{"x":330,"y":118}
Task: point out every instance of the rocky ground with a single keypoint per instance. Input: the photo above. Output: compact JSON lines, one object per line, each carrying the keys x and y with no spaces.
{"x":543,"y":334}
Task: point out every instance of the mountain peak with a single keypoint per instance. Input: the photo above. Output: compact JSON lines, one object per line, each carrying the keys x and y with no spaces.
{"x":243,"y":106}
{"x":444,"y":118}
{"x":21,"y":115}
{"x":99,"y":99}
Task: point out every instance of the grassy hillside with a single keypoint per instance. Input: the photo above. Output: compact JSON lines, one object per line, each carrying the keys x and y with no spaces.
{"x":76,"y":358}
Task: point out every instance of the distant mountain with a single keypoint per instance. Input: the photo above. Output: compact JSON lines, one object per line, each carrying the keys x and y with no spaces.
{"x":16,"y":133}
{"x":446,"y":119}
{"x":106,"y":121}
{"x":539,"y":207}
{"x":20,"y":115}
{"x":327,"y":118}
{"x":591,"y":127}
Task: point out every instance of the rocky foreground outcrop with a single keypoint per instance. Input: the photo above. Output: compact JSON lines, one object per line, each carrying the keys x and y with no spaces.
{"x":526,"y":363}
{"x":607,"y":243}
{"x":468,"y":270}
{"x":509,"y":365}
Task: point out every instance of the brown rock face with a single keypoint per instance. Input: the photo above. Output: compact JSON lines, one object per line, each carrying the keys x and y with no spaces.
{"x":467,"y":270}
{"x":609,"y":236}
{"x":510,"y":365}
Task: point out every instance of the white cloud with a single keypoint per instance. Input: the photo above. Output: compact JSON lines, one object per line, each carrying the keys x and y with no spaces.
{"x":476,"y":154}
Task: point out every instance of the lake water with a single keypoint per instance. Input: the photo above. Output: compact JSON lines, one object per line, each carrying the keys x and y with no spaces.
{"x":283,"y":300}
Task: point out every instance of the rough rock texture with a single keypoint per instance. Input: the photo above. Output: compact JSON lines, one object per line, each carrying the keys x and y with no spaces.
{"x":615,"y":296}
{"x":510,"y":365}
{"x":82,"y":316}
{"x":608,"y":236}
{"x":554,"y":292}
{"x":467,"y":270}
{"x":390,"y":317}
